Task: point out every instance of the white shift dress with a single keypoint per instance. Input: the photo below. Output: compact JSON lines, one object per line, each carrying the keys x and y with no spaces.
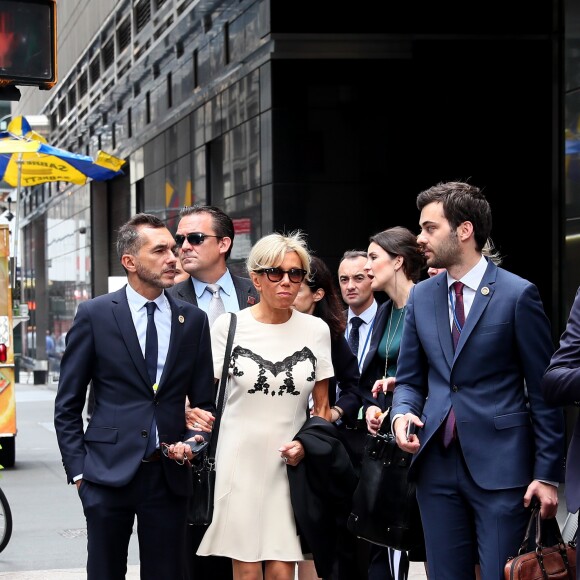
{"x":272,"y":372}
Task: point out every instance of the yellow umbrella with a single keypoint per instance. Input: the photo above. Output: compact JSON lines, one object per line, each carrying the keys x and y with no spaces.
{"x":26,"y":159}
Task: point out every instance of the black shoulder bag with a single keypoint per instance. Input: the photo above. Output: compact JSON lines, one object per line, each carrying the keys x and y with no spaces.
{"x":384,"y":508}
{"x":200,"y":510}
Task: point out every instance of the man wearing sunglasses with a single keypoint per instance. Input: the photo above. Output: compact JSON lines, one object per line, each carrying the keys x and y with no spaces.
{"x":204,"y":237}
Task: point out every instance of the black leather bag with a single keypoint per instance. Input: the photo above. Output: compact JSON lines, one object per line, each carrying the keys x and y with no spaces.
{"x":201,"y":502}
{"x":384,"y":507}
{"x":200,"y":505}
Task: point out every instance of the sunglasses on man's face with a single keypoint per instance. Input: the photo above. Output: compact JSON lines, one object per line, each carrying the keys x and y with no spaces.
{"x":295,"y":275}
{"x":195,"y":238}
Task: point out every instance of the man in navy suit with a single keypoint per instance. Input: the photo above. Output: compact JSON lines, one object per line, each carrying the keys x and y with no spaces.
{"x":205,"y":237}
{"x":487,"y":442}
{"x":144,"y":354}
{"x":561,"y":386}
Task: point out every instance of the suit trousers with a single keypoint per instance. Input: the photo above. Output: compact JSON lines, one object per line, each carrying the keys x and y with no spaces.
{"x":352,"y":553}
{"x":204,"y":567}
{"x":461,"y":519}
{"x":110,"y":513}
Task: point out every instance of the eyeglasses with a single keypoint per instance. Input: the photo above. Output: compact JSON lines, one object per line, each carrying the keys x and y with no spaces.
{"x":195,"y":238}
{"x":295,"y":275}
{"x":165,"y":451}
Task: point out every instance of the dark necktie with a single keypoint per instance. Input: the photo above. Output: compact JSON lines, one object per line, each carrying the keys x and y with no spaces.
{"x":354,"y":336}
{"x":216,"y":305}
{"x":151,"y":363}
{"x":450,"y":432}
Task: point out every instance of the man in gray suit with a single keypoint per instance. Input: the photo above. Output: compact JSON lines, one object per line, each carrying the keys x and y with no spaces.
{"x":205,"y":236}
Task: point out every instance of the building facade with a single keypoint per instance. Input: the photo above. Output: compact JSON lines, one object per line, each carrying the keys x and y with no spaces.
{"x":306,"y":115}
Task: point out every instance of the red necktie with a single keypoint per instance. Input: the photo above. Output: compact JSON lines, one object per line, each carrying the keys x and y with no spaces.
{"x":449,"y":432}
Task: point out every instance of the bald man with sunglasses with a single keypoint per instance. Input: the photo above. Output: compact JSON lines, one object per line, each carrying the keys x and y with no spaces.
{"x":204,"y":237}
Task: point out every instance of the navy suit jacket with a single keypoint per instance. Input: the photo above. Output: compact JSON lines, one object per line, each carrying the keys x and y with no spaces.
{"x":561,"y":386}
{"x":346,"y":374}
{"x":509,"y":435}
{"x":102,"y":347}
{"x":245,"y":291}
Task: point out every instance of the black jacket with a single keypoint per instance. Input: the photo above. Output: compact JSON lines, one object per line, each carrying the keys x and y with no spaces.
{"x":321,"y":488}
{"x":245,"y":291}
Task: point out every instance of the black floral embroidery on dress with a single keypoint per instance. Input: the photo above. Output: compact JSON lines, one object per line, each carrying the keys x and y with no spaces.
{"x":275,"y":369}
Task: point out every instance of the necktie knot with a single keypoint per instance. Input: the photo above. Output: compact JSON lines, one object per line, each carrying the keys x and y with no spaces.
{"x":356,"y":322}
{"x":458,"y":288}
{"x":151,"y":306}
{"x":214,"y":289}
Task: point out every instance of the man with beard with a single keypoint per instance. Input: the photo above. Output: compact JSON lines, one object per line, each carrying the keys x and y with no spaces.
{"x":144,"y":354}
{"x":475,"y":344}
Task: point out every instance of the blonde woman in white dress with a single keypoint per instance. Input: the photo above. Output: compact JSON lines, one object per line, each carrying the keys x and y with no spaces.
{"x":279,"y":357}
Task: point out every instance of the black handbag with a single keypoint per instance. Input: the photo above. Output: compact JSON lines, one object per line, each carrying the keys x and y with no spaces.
{"x":384,"y":507}
{"x":200,"y":505}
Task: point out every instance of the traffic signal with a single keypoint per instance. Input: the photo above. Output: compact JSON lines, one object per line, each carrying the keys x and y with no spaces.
{"x":28,"y":43}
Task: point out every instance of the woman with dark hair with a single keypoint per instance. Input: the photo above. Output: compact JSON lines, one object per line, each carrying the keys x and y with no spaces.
{"x":319,"y":297}
{"x":395,"y":263}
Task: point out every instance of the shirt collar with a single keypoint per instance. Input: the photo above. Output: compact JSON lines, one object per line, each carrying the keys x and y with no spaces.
{"x":226,"y":283}
{"x":136,"y":301}
{"x":367,"y":315}
{"x":474,"y":277}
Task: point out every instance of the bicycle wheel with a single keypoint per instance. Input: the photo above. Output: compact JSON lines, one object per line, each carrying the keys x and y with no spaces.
{"x":5,"y":521}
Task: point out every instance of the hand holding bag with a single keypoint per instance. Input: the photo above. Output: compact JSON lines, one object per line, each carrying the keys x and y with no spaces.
{"x":200,"y":510}
{"x":384,"y":507}
{"x":556,"y":562}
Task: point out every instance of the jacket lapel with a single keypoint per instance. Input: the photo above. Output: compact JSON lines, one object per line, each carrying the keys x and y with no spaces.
{"x":441,"y":300}
{"x":186,"y":291}
{"x":177,"y":320}
{"x":480,"y":301}
{"x":122,"y":314}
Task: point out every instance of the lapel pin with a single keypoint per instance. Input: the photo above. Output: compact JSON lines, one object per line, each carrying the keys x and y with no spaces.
{"x":181,"y":319}
{"x":485,"y":290}
{"x":251,"y":300}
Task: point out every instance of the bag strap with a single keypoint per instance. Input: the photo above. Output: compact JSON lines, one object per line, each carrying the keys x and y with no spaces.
{"x":385,"y":428}
{"x":535,"y":517}
{"x":222,"y":389}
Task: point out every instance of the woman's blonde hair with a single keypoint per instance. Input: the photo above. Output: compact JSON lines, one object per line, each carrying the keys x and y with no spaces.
{"x":269,"y":251}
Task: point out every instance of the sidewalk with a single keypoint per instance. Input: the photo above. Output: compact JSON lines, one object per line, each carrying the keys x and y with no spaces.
{"x":416,"y":572}
{"x":72,"y":574}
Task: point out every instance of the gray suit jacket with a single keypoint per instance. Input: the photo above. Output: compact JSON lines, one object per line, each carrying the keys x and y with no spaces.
{"x":245,"y":291}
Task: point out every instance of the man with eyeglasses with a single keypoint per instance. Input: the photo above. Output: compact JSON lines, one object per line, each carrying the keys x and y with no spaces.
{"x":204,"y":237}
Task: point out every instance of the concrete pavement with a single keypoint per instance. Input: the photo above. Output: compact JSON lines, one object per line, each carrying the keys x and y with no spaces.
{"x":417,"y":569}
{"x":417,"y":572}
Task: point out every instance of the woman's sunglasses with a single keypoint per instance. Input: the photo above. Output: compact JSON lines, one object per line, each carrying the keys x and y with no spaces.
{"x":195,"y":239}
{"x":295,"y":275}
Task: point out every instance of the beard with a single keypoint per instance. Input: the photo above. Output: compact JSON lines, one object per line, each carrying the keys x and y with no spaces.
{"x":447,"y":253}
{"x":151,"y":277}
